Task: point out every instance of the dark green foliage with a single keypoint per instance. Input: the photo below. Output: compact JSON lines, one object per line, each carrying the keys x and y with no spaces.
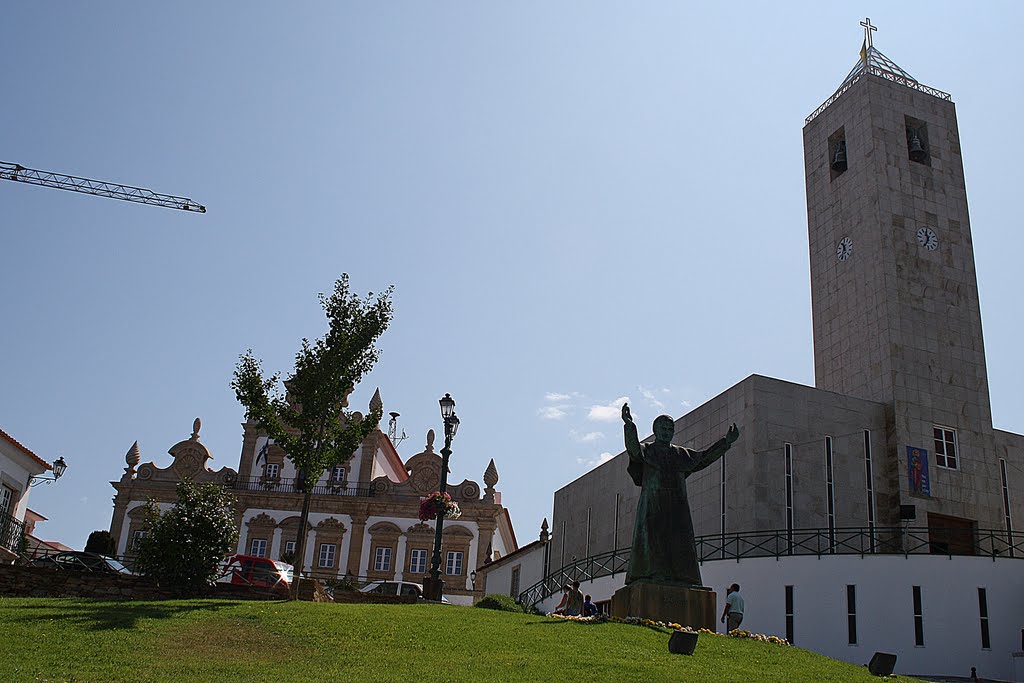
{"x":100,"y":541}
{"x":499,"y":602}
{"x":186,"y":544}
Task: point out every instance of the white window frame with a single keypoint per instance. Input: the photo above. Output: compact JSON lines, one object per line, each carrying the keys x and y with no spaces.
{"x":453,"y":563}
{"x":417,"y":561}
{"x":272,"y":470}
{"x":946,"y":458}
{"x":6,"y":500}
{"x":335,"y":479}
{"x":382,"y":559}
{"x":137,"y":537}
{"x":258,"y":547}
{"x":289,"y":547}
{"x":328,"y":551}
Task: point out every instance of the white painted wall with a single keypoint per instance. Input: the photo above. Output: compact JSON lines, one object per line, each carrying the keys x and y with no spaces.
{"x":531,"y":570}
{"x":885,"y":618}
{"x":15,"y":470}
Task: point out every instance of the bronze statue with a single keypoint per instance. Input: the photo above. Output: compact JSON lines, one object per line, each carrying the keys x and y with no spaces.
{"x":664,"y":550}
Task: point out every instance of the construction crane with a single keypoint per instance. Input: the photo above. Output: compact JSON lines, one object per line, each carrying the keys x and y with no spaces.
{"x":31,"y":176}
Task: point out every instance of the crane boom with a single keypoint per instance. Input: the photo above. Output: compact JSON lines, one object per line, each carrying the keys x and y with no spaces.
{"x":20,"y":174}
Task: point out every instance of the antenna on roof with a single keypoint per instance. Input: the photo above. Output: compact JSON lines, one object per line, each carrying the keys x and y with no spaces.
{"x":393,"y":430}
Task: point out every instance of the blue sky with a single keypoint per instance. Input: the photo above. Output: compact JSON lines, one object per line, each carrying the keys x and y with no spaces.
{"x":576,"y":202}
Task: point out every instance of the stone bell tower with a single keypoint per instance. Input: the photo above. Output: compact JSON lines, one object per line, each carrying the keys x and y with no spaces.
{"x":896,"y":314}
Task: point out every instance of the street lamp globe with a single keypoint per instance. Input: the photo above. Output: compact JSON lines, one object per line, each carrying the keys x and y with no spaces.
{"x":447,"y":407}
{"x":59,"y":467}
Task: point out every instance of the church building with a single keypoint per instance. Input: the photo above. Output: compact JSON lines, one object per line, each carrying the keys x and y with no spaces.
{"x":875,"y":510}
{"x":364,"y":518}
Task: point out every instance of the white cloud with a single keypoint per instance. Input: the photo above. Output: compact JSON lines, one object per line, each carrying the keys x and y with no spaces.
{"x":587,"y":437}
{"x":556,"y":397}
{"x":599,"y":460}
{"x":608,"y":413}
{"x":553,"y":412}
{"x":652,"y":400}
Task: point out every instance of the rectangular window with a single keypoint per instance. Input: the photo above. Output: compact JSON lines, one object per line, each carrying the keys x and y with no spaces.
{"x":137,"y":538}
{"x":258,"y":547}
{"x":986,"y":643}
{"x":1007,"y":522}
{"x":513,"y":590}
{"x":830,"y":495}
{"x":869,"y":478}
{"x":917,"y":141}
{"x":945,"y":446}
{"x":789,"y":614}
{"x":273,"y":469}
{"x":918,"y":618}
{"x":382,"y":559}
{"x":6,"y":500}
{"x":338,"y":475}
{"x":851,"y":614}
{"x":453,"y":563}
{"x":789,"y":498}
{"x":327,"y":551}
{"x":837,"y":155}
{"x":289,"y":547}
{"x":417,"y":561}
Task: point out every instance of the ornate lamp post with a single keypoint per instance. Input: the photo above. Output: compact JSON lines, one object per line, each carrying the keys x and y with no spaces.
{"x":433,"y":586}
{"x":59,"y":467}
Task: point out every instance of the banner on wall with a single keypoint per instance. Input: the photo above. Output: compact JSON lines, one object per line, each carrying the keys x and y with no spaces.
{"x":917,"y":469}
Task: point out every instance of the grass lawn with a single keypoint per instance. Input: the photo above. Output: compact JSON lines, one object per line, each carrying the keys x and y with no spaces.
{"x":214,"y":640}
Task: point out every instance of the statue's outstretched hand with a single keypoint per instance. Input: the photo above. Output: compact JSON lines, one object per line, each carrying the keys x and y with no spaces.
{"x":626,"y":417}
{"x":732,"y":434}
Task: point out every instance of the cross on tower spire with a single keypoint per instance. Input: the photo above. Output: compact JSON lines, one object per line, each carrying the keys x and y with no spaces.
{"x":868,"y":28}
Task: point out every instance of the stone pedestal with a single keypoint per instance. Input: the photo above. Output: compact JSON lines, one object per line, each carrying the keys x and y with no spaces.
{"x":693,"y":607}
{"x":433,"y":589}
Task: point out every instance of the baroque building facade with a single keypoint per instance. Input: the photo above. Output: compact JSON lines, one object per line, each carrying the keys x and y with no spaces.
{"x":363,"y":523}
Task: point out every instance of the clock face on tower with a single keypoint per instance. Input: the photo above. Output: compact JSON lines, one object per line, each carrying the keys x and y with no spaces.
{"x":845,"y":249}
{"x":927,"y":238}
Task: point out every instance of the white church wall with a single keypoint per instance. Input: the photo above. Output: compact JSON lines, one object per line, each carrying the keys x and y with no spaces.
{"x":884,"y":606}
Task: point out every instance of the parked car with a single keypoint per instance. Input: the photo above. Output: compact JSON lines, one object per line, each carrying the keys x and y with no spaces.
{"x":402,"y":588}
{"x":80,"y":561}
{"x":250,"y":570}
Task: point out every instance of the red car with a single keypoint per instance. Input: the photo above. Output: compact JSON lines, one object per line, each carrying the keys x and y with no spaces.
{"x":249,"y":570}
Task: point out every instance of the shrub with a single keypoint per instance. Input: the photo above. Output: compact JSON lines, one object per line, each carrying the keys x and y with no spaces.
{"x":100,"y":541}
{"x":186,"y":544}
{"x":499,"y":602}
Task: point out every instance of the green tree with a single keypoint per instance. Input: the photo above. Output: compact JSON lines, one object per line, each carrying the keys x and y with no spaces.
{"x":186,"y":544}
{"x":309,"y":420}
{"x":100,"y":541}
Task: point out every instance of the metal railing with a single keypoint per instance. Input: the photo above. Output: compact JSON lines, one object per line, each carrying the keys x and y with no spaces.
{"x":796,"y":542}
{"x":12,"y":531}
{"x":292,"y":485}
{"x":881,"y":73}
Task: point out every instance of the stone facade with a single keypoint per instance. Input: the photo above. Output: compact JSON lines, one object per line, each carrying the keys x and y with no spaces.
{"x":363,"y":521}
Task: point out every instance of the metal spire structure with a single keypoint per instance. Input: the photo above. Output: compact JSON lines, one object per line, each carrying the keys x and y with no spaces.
{"x":31,"y":176}
{"x":874,"y":63}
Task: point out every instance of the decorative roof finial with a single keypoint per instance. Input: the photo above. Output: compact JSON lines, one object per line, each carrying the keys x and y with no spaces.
{"x":491,"y":474}
{"x":376,"y":404}
{"x":132,"y":457}
{"x":430,"y":441}
{"x":195,"y":429}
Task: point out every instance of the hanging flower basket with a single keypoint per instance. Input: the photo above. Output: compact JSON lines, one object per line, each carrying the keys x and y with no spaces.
{"x":436,"y":502}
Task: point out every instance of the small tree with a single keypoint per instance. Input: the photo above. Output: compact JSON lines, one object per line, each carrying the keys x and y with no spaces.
{"x":100,"y":541}
{"x":186,"y":544}
{"x":309,"y":421}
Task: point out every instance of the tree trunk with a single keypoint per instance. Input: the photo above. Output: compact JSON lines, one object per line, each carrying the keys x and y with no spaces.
{"x":300,"y":541}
